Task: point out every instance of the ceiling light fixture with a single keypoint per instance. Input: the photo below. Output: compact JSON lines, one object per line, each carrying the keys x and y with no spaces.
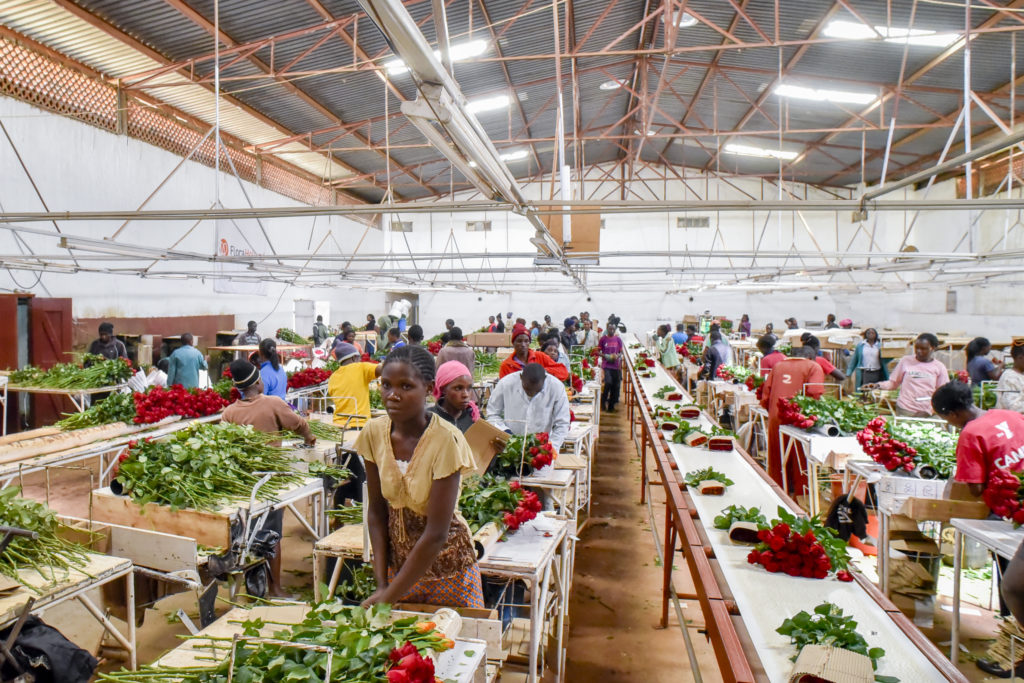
{"x":637,"y":132}
{"x":685,"y":20}
{"x":751,"y":151}
{"x":458,"y":53}
{"x":488,"y":104}
{"x":613,"y":84}
{"x":853,"y":30}
{"x":823,"y":95}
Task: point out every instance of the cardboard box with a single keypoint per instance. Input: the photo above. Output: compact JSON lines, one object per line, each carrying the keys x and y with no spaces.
{"x":490,"y":339}
{"x":819,"y":663}
{"x":695,"y":439}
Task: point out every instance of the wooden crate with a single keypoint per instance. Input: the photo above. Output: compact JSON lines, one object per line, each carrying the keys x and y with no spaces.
{"x":207,"y":528}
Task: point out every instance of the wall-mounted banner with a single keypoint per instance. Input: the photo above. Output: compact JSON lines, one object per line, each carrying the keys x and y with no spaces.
{"x":236,"y":278}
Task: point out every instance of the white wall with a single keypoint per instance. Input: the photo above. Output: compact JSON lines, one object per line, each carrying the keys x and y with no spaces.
{"x":79,"y":167}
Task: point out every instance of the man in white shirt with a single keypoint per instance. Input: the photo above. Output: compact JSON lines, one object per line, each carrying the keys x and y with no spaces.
{"x":528,"y":402}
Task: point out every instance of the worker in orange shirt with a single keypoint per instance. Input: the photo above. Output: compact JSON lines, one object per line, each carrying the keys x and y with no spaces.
{"x":796,"y":375}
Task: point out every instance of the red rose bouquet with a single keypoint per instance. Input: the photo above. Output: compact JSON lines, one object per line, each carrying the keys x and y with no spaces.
{"x":434,"y":347}
{"x":754,"y":382}
{"x":524,"y":454}
{"x":884,"y":448}
{"x":1003,"y":495}
{"x":790,"y":414}
{"x":158,"y":403}
{"x":490,"y":499}
{"x":577,"y":383}
{"x":800,"y":547}
{"x":527,"y":508}
{"x":308,"y":377}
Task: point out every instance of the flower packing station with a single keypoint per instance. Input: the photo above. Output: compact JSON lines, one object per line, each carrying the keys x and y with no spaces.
{"x":419,"y":341}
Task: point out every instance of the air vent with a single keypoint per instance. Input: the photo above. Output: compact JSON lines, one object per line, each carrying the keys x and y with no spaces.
{"x":478,"y":226}
{"x":693,"y":222}
{"x":401,"y":226}
{"x":602,"y":224}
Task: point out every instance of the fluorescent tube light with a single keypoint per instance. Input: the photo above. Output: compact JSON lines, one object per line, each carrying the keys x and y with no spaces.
{"x":824,"y":95}
{"x":458,"y":53}
{"x":854,"y":30}
{"x":751,"y":151}
{"x":488,"y":104}
{"x":613,"y":84}
{"x":508,"y":156}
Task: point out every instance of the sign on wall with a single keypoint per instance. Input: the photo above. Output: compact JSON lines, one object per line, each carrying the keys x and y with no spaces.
{"x":235,"y":278}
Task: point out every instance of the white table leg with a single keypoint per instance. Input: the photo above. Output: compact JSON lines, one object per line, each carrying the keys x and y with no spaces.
{"x":954,"y":639}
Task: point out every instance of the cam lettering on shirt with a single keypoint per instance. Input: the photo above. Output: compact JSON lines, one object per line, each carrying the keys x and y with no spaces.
{"x":1011,"y":459}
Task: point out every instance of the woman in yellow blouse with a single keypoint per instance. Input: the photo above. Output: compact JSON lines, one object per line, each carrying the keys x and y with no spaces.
{"x":422,"y":548}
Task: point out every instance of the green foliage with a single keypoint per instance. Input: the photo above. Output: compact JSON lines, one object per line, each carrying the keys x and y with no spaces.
{"x":738,"y":513}
{"x":828,"y":626}
{"x":361,"y":640}
{"x":100,"y":373}
{"x":665,"y":391}
{"x":376,"y":402}
{"x":360,"y":584}
{"x":348,"y":514}
{"x":985,"y":396}
{"x":205,"y":466}
{"x":851,"y":417}
{"x":118,"y":407}
{"x":49,"y":554}
{"x":707,"y":474}
{"x":485,"y":364}
{"x":934,"y":445}
{"x":486,"y":499}
{"x":291,"y":336}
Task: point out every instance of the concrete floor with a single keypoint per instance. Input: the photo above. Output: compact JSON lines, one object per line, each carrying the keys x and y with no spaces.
{"x":615,"y":605}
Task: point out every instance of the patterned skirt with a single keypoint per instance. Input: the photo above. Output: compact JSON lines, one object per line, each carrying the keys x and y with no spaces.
{"x":461,"y":590}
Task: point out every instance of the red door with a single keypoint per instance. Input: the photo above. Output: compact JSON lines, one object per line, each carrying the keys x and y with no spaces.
{"x":9,"y":350}
{"x":49,"y":343}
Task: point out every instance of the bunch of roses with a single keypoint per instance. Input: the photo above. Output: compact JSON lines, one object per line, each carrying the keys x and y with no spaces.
{"x":885,"y":449}
{"x":409,"y":666}
{"x":783,"y":550}
{"x":543,"y":453}
{"x":159,"y":402}
{"x":586,"y":369}
{"x":434,"y":347}
{"x":754,"y":382}
{"x":577,"y":383}
{"x":789,"y":414}
{"x":683,"y":350}
{"x":1003,"y":495}
{"x":527,"y":508}
{"x":308,"y":377}
{"x":724,"y":373}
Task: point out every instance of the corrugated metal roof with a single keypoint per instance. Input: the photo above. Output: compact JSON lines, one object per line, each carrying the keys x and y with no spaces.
{"x":50,"y":24}
{"x":527,"y":30}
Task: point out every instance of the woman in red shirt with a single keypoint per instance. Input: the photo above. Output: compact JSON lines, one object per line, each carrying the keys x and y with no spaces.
{"x":522,"y":354}
{"x":989,"y":440}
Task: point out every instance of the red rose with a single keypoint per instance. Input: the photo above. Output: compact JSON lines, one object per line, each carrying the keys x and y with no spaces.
{"x":844,"y":575}
{"x":399,"y":652}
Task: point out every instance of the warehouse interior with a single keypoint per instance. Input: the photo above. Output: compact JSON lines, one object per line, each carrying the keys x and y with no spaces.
{"x":173,"y":166}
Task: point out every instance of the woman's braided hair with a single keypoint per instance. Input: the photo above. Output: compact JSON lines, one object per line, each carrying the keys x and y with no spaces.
{"x":417,"y":357}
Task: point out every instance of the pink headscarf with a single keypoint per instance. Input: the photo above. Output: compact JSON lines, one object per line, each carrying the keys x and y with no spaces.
{"x":448,"y":373}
